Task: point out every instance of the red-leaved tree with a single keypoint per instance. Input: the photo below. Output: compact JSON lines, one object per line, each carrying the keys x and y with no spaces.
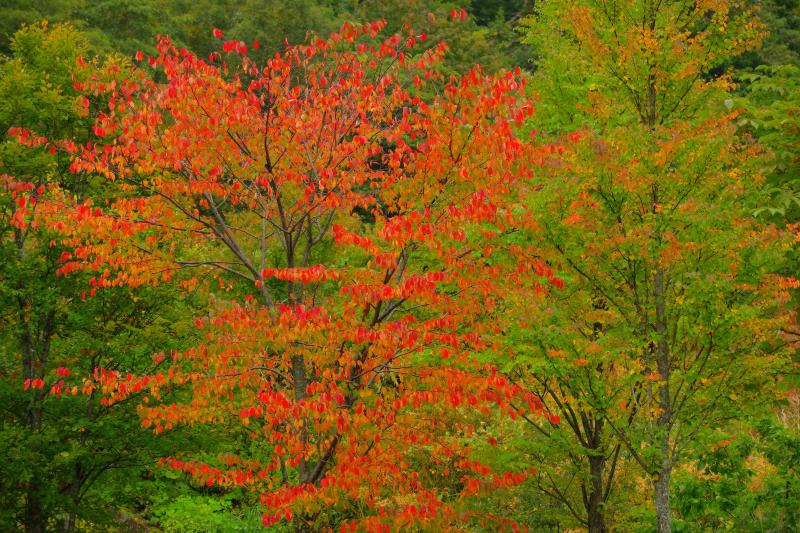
{"x":342,"y":204}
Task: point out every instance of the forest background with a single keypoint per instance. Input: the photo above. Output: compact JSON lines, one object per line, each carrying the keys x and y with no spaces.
{"x":589,"y":451}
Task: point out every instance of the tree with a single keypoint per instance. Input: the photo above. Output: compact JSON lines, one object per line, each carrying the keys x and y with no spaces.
{"x":54,"y":331}
{"x":346,"y":224}
{"x":671,"y":299}
{"x":560,"y":356}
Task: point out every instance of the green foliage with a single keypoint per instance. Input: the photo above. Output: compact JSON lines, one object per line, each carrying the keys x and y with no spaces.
{"x":782,"y":45}
{"x":748,"y":482}
{"x":36,"y":91}
{"x":487,"y":37}
{"x":769,"y":100}
{"x":61,"y":449}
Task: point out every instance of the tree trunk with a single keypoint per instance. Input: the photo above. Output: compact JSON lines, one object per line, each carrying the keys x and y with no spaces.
{"x":664,"y":423}
{"x":663,"y":513}
{"x":300,"y":384}
{"x":69,"y":522}
{"x":73,"y":490}
{"x":594,"y":504}
{"x":35,"y":519}
{"x":34,"y":513}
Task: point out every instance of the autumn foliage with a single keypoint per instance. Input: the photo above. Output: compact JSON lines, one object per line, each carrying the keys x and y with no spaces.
{"x":342,"y":203}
